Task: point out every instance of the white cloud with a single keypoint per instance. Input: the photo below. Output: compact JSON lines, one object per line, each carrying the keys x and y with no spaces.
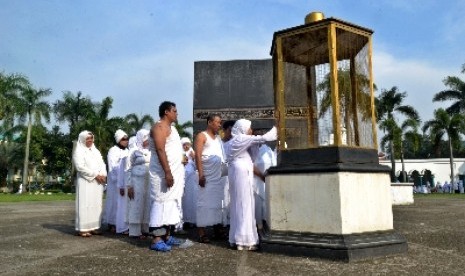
{"x":419,"y":78}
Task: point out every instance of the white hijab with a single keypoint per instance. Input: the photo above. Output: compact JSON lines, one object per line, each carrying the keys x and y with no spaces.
{"x":141,"y":136}
{"x":241,"y":127}
{"x":81,"y":144}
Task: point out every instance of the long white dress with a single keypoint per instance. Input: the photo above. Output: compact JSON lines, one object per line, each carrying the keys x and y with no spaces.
{"x":165,"y":202}
{"x":226,"y":195}
{"x":189,"y":199}
{"x":210,"y":198}
{"x":243,"y":230}
{"x":138,"y":208}
{"x":89,"y":193}
{"x":266,"y":158}
{"x":115,"y":209}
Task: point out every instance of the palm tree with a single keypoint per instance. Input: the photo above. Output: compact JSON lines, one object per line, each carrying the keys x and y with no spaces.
{"x":135,"y":123}
{"x":347,"y":97}
{"x":409,"y":132}
{"x":31,"y":106}
{"x":103,"y":126}
{"x":9,"y":92}
{"x":182,"y":129}
{"x":389,"y":104}
{"x":72,"y":109}
{"x":452,"y":125}
{"x":456,"y":93}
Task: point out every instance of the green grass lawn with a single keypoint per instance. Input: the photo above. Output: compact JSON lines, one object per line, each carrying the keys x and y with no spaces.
{"x":34,"y":197}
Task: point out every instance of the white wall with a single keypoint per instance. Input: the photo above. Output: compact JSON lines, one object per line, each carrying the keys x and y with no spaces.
{"x":439,"y":167}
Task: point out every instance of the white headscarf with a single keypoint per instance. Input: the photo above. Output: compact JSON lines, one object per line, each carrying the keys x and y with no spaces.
{"x":82,"y":139}
{"x":119,"y":134}
{"x":141,"y":136}
{"x":185,"y":140}
{"x":241,"y":127}
{"x":132,"y":143}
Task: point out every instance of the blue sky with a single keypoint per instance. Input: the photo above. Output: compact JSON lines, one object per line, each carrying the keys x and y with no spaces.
{"x":143,"y":52}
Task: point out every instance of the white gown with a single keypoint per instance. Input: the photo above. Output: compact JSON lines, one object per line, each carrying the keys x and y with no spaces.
{"x":243,"y":230}
{"x":89,"y":193}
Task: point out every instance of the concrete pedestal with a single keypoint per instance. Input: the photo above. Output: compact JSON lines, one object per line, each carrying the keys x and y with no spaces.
{"x":343,"y":215}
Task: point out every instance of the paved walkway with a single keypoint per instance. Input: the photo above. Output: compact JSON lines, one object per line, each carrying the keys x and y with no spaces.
{"x":37,"y":238}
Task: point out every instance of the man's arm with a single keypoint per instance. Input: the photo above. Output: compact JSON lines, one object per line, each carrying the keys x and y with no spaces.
{"x":199,"y":144}
{"x":159,"y":135}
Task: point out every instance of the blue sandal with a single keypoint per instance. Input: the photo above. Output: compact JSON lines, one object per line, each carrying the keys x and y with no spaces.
{"x":173,"y":241}
{"x":160,"y":246}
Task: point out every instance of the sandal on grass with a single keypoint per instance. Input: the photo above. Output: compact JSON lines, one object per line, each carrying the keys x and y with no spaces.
{"x":204,"y":239}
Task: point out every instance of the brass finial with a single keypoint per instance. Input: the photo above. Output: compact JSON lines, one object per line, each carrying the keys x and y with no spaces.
{"x":313,"y":17}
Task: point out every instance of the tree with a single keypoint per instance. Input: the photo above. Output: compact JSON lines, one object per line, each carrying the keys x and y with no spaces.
{"x":362,"y":97}
{"x":9,"y":157}
{"x":388,"y":105}
{"x":409,"y":132}
{"x":135,"y":123}
{"x":102,"y":125}
{"x":9,"y":92}
{"x":73,"y":109}
{"x":30,"y":105}
{"x":182,"y":129}
{"x":450,"y":125}
{"x":456,"y":93}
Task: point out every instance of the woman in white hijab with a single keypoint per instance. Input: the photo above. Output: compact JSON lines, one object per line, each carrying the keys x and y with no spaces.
{"x":90,"y":179}
{"x":137,"y":183}
{"x":240,"y":155}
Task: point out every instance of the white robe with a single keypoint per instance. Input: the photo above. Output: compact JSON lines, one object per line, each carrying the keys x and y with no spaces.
{"x":89,"y":193}
{"x":243,"y":230}
{"x":266,"y":158}
{"x":165,"y":202}
{"x":210,"y":198}
{"x":115,"y":204}
{"x":137,"y":170}
{"x":189,"y":199}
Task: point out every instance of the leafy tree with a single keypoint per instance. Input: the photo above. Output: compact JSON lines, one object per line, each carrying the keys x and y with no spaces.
{"x":57,"y":152}
{"x":388,"y":105}
{"x":134,"y":123}
{"x":446,"y":124}
{"x":455,"y":93}
{"x":10,"y":156}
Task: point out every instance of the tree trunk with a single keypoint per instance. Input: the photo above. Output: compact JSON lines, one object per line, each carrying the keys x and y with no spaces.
{"x":393,"y":162}
{"x":26,"y":154}
{"x":451,"y":159}
{"x":403,"y":173}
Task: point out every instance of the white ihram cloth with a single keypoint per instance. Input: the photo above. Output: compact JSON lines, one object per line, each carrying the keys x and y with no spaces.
{"x":89,"y":193}
{"x":165,"y":202}
{"x":115,"y":211}
{"x":266,"y":158}
{"x":137,"y":172}
{"x":227,"y":197}
{"x":243,"y":230}
{"x":210,"y":198}
{"x":189,"y":199}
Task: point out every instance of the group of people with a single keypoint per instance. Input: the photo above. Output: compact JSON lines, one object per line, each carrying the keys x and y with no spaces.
{"x":156,"y":182}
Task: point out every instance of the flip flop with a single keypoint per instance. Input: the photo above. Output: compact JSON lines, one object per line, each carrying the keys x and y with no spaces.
{"x":84,"y":234}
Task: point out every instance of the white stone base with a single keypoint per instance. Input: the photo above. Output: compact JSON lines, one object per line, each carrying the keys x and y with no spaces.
{"x":402,"y":193}
{"x":332,"y":203}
